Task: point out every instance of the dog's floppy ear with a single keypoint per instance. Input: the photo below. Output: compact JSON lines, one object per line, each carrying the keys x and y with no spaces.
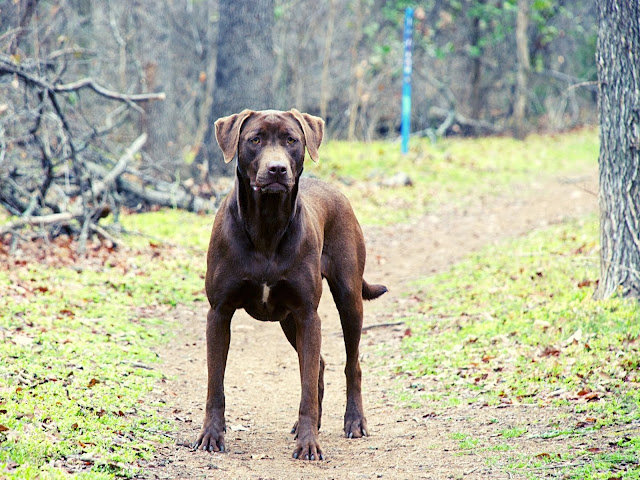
{"x":313,"y":129}
{"x":228,"y":133}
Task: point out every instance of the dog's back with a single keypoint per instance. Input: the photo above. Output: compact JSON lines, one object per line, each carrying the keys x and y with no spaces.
{"x":343,"y":236}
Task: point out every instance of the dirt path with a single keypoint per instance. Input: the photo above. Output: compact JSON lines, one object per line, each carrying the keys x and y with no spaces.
{"x":262,"y":382}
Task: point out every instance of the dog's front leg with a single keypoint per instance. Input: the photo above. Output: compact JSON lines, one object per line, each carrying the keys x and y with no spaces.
{"x":308,"y":340}
{"x":211,"y":437}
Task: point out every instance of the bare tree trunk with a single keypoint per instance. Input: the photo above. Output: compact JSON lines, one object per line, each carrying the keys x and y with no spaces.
{"x":477,"y":101}
{"x":207,"y":77}
{"x":520,"y":107}
{"x":357,"y":74}
{"x":152,"y":41}
{"x":26,"y":9}
{"x":618,"y":59}
{"x":244,"y":70}
{"x":325,"y":85}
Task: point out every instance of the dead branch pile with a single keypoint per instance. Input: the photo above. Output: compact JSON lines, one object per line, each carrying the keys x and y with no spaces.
{"x":62,"y":168}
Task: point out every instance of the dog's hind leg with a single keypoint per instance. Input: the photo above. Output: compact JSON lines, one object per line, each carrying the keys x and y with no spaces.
{"x":289,"y":328}
{"x":348,"y":298}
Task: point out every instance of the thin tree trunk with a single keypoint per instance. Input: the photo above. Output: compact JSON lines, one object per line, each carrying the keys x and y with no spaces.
{"x":618,"y":59}
{"x":204,"y":111}
{"x":26,"y":9}
{"x":355,"y":70}
{"x":325,"y":90}
{"x":476,"y":100}
{"x":519,"y":110}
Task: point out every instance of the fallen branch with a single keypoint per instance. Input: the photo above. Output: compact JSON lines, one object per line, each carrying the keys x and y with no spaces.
{"x":178,"y":197}
{"x":37,"y":220}
{"x":76,"y":211}
{"x":462,"y":120}
{"x":121,"y":166}
{"x":102,"y":232}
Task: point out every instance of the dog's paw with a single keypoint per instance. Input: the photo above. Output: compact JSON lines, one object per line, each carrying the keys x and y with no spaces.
{"x":308,"y":448}
{"x":355,"y":427}
{"x":210,"y":440}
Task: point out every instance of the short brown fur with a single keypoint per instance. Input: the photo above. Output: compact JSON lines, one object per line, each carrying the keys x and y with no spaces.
{"x":274,"y":239}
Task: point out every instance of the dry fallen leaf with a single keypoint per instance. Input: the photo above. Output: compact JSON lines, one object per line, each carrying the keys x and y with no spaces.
{"x":238,"y":428}
{"x":550,"y":351}
{"x":21,"y":340}
{"x":584,"y":391}
{"x":591,"y":396}
{"x":261,"y":456}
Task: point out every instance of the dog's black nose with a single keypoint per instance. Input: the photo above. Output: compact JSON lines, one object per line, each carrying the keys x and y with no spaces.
{"x":277,"y":168}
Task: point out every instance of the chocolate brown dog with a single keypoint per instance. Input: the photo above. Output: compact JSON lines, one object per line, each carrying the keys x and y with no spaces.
{"x":273,"y":240}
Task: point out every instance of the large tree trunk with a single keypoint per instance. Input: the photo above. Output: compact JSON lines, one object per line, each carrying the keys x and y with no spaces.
{"x":244,"y":71}
{"x":618,"y":58}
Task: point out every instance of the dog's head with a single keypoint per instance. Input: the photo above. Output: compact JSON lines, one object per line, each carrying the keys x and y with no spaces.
{"x":270,"y":145}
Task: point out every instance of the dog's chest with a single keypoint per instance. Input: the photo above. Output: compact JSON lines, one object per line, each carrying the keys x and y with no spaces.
{"x":270,"y":302}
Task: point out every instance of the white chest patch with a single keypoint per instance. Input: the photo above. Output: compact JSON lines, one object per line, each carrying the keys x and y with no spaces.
{"x":265,"y":293}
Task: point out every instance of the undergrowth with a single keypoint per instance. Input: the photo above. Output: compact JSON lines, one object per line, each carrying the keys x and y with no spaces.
{"x":516,"y":324}
{"x":446,"y":172}
{"x":77,"y":355}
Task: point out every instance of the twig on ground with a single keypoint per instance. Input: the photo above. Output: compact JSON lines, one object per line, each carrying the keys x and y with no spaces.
{"x":382,"y":325}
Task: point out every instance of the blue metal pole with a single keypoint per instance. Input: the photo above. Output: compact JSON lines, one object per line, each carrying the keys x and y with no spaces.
{"x":406,"y":79}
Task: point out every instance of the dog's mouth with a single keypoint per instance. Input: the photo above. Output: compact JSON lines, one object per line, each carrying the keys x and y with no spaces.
{"x":273,"y":187}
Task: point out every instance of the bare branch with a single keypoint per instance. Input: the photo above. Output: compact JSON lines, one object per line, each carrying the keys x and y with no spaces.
{"x":9,"y":68}
{"x":91,"y":84}
{"x":121,"y":166}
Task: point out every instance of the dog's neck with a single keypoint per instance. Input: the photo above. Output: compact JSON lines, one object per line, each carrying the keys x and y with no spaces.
{"x":265,"y":216}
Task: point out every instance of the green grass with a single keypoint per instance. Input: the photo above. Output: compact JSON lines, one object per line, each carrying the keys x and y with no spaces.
{"x":513,"y":432}
{"x":77,"y":356}
{"x":516,"y":323}
{"x":77,"y":363}
{"x":167,"y":226}
{"x":447,"y":171}
{"x":465,"y":441}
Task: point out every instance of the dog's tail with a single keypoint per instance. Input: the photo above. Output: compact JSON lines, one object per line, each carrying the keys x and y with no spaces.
{"x":369,"y":292}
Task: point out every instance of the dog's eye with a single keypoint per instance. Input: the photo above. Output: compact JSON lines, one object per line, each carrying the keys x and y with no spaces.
{"x":255,"y":140}
{"x":291,"y":140}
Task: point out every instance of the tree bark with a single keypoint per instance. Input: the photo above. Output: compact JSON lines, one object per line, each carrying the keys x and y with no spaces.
{"x":618,"y":59}
{"x":244,"y":71}
{"x":325,"y":85}
{"x":356,"y":70}
{"x":476,"y":100}
{"x":522,"y":46}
